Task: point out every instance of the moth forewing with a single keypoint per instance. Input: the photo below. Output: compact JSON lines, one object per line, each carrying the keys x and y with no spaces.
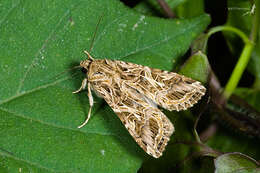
{"x":134,"y":91}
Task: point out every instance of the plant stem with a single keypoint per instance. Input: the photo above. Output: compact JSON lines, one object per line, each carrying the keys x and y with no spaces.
{"x":244,"y":57}
{"x":166,"y":8}
{"x":229,"y":28}
{"x":238,"y":70}
{"x":213,"y":30}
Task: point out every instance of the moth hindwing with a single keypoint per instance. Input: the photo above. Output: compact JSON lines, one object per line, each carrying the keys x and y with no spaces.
{"x":133,"y":92}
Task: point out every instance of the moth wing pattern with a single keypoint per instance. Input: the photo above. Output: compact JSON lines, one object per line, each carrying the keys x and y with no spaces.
{"x":133,"y":92}
{"x":147,"y":124}
{"x":150,"y":128}
{"x":169,"y":90}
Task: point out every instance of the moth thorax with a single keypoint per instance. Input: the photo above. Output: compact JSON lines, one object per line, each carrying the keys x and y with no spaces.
{"x":85,"y":63}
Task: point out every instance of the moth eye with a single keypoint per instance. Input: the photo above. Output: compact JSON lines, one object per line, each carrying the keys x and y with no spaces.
{"x":124,"y":69}
{"x":98,"y":73}
{"x":84,"y":70}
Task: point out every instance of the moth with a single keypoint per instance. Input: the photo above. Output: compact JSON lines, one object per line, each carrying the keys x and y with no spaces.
{"x":134,"y":92}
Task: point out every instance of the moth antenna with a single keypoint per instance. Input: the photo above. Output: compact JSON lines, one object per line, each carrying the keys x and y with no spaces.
{"x":75,"y":67}
{"x":93,"y":39}
{"x":89,"y":56}
{"x":94,"y":36}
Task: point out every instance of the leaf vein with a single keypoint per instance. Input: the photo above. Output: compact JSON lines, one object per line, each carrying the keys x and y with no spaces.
{"x":54,"y":125}
{"x":50,"y":35}
{"x":106,"y":27}
{"x":157,"y":42}
{"x":33,"y":90}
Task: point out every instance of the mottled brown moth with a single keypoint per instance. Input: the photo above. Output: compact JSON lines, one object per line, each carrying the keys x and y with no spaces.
{"x":134,"y":91}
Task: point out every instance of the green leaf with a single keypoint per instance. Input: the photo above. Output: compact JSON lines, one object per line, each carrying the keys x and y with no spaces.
{"x":236,"y":162}
{"x":196,"y":67}
{"x":39,"y":114}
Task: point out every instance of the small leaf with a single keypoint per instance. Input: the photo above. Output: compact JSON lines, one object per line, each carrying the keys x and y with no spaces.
{"x":196,"y":67}
{"x":236,"y":162}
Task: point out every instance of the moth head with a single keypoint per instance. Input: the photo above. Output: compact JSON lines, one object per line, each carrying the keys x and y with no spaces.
{"x":85,"y":63}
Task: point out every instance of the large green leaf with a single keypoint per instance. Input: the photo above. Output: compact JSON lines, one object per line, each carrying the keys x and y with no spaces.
{"x":39,"y":114}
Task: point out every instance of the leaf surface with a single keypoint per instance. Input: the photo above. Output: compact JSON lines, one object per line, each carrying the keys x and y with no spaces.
{"x":236,"y":162}
{"x":39,"y":114}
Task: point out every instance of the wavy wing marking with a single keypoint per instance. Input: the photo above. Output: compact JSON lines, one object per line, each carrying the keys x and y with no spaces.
{"x":150,"y":128}
{"x":167,"y":89}
{"x":134,"y":91}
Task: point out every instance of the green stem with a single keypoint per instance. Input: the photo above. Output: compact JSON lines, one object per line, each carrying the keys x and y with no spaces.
{"x":238,"y":70}
{"x":197,"y":137}
{"x":213,"y":30}
{"x":229,"y":28}
{"x":244,"y":57}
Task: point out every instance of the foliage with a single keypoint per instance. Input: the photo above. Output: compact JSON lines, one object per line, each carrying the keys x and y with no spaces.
{"x":41,"y":41}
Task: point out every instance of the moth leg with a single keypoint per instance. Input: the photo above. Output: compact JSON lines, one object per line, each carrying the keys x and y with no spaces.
{"x":89,"y":56}
{"x":82,"y":87}
{"x":91,"y":103}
